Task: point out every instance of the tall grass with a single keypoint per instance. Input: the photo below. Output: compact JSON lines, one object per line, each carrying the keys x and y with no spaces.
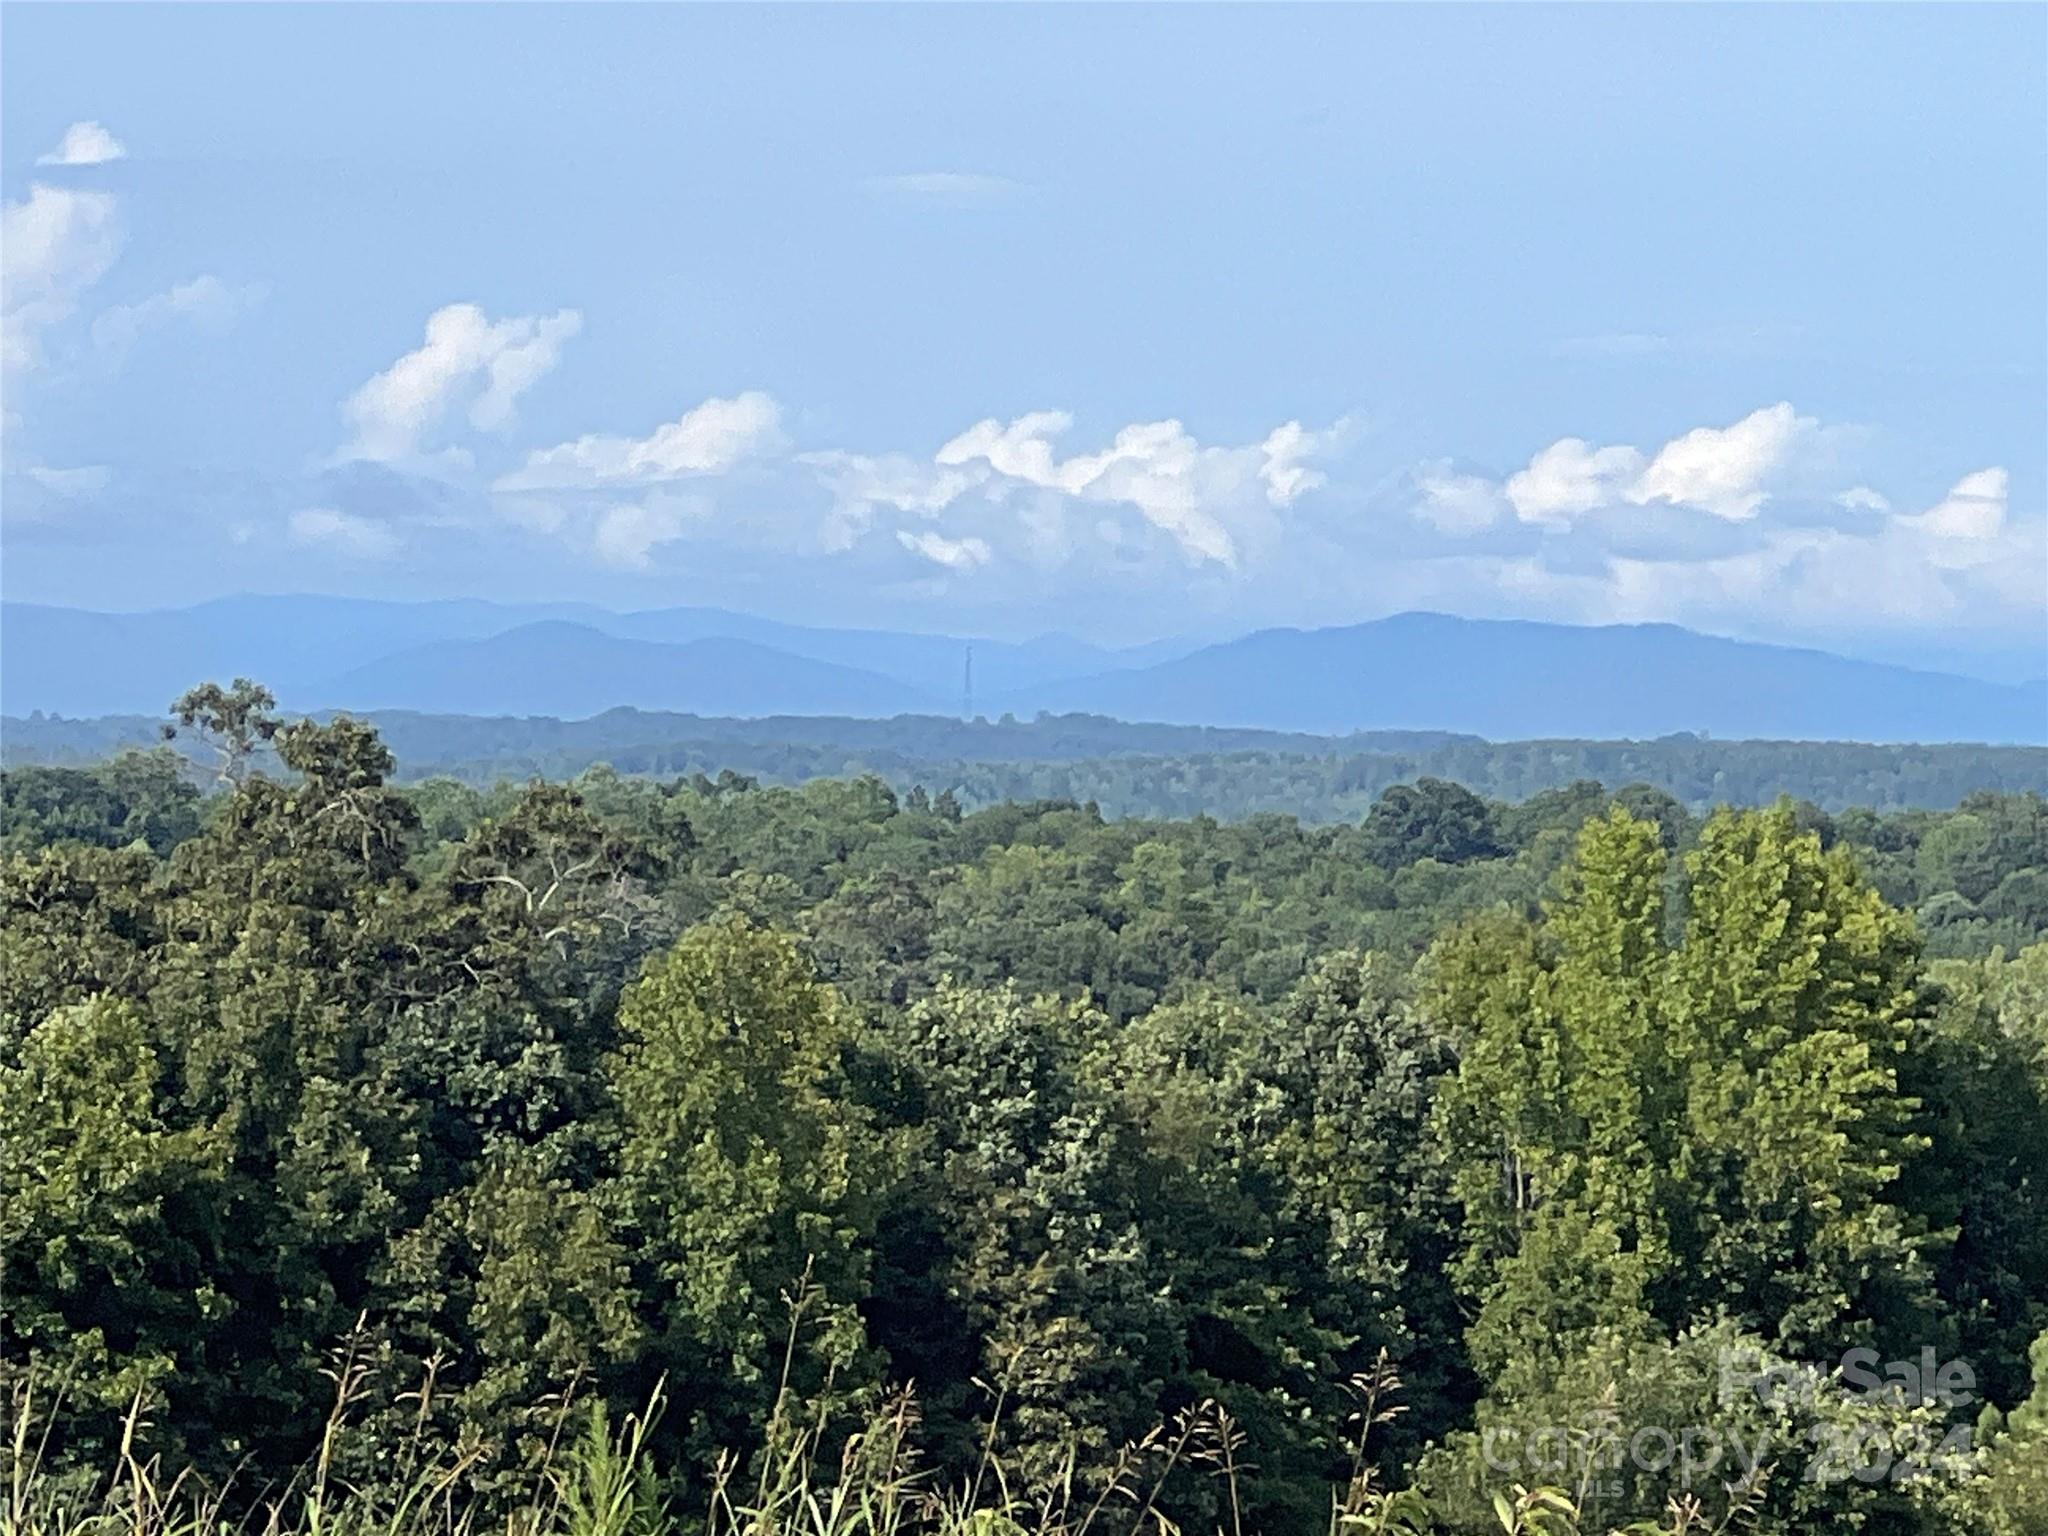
{"x":598,"y":1479}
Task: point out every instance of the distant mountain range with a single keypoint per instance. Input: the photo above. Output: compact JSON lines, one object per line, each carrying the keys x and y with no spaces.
{"x":1498,"y":679}
{"x":85,"y":663}
{"x":558,"y":668}
{"x":1514,"y":680}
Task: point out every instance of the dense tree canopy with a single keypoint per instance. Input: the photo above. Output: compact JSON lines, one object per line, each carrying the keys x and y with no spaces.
{"x":559,"y":1091}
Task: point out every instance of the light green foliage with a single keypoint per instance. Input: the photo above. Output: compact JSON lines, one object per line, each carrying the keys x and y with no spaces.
{"x":1793,"y":1002}
{"x":743,"y":1167}
{"x":1653,"y":1137}
{"x":107,"y":1214}
{"x":2011,"y":1499}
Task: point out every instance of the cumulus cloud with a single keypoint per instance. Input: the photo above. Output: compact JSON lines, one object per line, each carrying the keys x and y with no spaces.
{"x":1732,"y":527}
{"x":1203,"y":497}
{"x":1569,"y":478}
{"x":206,"y":302}
{"x":1287,"y":449}
{"x":1725,"y":470}
{"x":58,"y":242}
{"x":626,"y":535}
{"x":709,"y":439}
{"x":85,"y":144}
{"x":953,"y":554}
{"x":1455,"y":502}
{"x":1728,"y":472}
{"x":861,"y":482}
{"x":467,"y":361}
{"x":1963,"y":528}
{"x":344,"y":533}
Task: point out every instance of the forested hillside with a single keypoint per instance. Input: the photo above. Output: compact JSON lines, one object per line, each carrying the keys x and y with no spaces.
{"x":385,"y":1130}
{"x":1127,"y":769}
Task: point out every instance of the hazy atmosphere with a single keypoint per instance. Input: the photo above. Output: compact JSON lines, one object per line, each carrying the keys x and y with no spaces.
{"x":1003,"y":321}
{"x":1024,"y":769}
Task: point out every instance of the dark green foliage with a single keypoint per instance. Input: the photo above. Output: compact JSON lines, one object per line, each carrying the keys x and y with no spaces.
{"x":137,"y":797}
{"x":1429,"y":820}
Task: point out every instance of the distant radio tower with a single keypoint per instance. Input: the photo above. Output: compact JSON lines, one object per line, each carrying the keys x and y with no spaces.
{"x":967,"y":688}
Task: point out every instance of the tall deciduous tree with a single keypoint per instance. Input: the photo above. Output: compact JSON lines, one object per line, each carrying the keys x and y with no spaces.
{"x":1650,"y":1138}
{"x":109,"y":1216}
{"x":746,"y":1171}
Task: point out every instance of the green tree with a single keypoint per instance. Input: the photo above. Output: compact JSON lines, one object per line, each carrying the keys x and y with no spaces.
{"x":1650,"y":1139}
{"x":2011,"y":1496}
{"x":109,"y":1218}
{"x":236,"y":722}
{"x":1300,"y":1207}
{"x":1430,"y":819}
{"x":743,"y":1167}
{"x":1026,"y":1208}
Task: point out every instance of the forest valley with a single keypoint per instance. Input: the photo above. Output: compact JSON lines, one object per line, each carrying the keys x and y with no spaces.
{"x":624,"y":1155}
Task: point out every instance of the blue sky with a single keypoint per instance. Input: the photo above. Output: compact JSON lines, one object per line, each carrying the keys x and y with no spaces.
{"x":1125,"y":322}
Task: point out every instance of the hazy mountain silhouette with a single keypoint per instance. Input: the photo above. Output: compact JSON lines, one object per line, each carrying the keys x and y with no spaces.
{"x":557,"y":668}
{"x":1515,"y":680}
{"x":1505,"y":680}
{"x":69,"y":661}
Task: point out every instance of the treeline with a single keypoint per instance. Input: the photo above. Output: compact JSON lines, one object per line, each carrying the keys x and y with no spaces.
{"x":1584,"y":1117}
{"x":1130,"y":769}
{"x":1419,"y":854}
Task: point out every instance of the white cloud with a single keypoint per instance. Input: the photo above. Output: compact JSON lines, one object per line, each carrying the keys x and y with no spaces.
{"x":1457,"y":503}
{"x":466,"y":360}
{"x":1021,"y":450}
{"x":85,"y":144}
{"x":1569,"y":478}
{"x":1286,"y":448}
{"x":1205,"y":498}
{"x":710,"y":439}
{"x":58,"y":243}
{"x":1176,"y":485}
{"x":860,"y":483}
{"x":626,"y":535}
{"x":343,"y":532}
{"x":891,"y":480}
{"x":1734,"y":528}
{"x":954,"y":554}
{"x":206,"y":302}
{"x":1964,"y":527}
{"x":1725,"y":470}
{"x":1961,"y":565}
